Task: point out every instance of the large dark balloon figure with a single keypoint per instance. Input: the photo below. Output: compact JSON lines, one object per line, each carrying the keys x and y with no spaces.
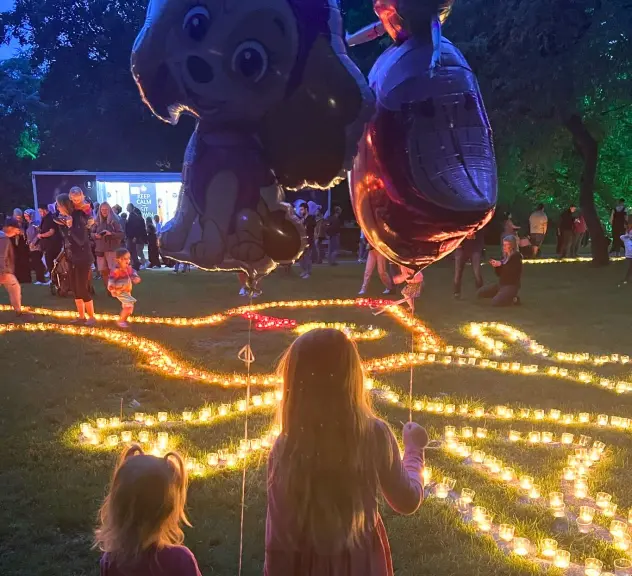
{"x":425,"y":175}
{"x":277,"y":103}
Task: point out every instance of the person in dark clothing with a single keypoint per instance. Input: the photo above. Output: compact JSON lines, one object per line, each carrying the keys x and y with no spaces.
{"x":135,"y":233}
{"x":49,"y":237}
{"x":567,"y":221}
{"x":309,"y":223}
{"x":21,"y":250}
{"x":74,"y":225}
{"x":334,"y":226}
{"x":35,"y":249}
{"x":509,"y":272}
{"x":471,"y":250}
{"x":619,"y":222}
{"x":152,"y":244}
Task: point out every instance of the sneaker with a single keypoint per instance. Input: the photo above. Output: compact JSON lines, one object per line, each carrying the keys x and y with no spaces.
{"x":517,"y":301}
{"x":389,"y":291}
{"x":38,"y":283}
{"x":457,"y":295}
{"x":78,"y":321}
{"x":47,"y":283}
{"x":91,"y":321}
{"x":305,"y":276}
{"x":25,"y":316}
{"x":122,"y":324}
{"x":257,"y":293}
{"x":243,"y":291}
{"x":362,"y":292}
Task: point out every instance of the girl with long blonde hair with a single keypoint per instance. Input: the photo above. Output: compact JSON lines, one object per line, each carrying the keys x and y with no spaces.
{"x":330,"y":462}
{"x":108,"y":235}
{"x":140,"y":530}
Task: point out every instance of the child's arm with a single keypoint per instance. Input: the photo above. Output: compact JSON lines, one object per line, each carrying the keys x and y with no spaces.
{"x":135,"y":277}
{"x":400,"y":480}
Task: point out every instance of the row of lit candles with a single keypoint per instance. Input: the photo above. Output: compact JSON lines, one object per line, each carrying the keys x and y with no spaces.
{"x":351,"y":330}
{"x":477,"y":330}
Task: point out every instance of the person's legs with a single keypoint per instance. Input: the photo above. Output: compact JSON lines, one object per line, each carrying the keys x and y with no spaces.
{"x":38,"y":266}
{"x":308,"y":260}
{"x":50,"y":256}
{"x":13,"y":288}
{"x":126,"y":312}
{"x":334,"y":246}
{"x":371,"y":261}
{"x":140,"y":249}
{"x":89,"y":309}
{"x":628,"y":272}
{"x":567,"y":240}
{"x":81,"y":309}
{"x":475,"y":260}
{"x":488,"y":291}
{"x":382,"y":270}
{"x":574,"y":245}
{"x":505,"y":296}
{"x":459,"y":263}
{"x":131,"y":247}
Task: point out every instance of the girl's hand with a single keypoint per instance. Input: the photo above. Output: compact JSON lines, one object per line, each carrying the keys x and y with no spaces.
{"x":494,"y":263}
{"x":136,"y":280}
{"x":68,"y":221}
{"x":415,"y":435}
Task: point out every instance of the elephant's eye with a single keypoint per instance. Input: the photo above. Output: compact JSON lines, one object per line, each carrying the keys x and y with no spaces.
{"x":197,"y":23}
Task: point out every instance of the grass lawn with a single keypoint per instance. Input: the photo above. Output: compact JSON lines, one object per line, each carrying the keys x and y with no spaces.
{"x":51,"y":488}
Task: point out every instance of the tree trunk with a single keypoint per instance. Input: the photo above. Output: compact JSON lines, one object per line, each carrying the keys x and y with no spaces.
{"x":587,"y":147}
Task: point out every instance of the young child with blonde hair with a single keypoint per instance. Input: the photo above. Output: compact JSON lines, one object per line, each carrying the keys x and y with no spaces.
{"x":330,"y":463}
{"x":140,"y":530}
{"x":120,"y":283}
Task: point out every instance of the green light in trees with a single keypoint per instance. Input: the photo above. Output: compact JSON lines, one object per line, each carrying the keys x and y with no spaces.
{"x":29,"y":145}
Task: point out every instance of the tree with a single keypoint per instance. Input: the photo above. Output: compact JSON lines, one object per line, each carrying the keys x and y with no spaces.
{"x":540,"y":64}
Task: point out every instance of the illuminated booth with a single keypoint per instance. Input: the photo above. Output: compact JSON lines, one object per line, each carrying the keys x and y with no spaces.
{"x":152,"y":192}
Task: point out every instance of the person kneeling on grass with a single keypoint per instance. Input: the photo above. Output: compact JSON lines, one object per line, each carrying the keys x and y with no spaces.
{"x":330,"y":463}
{"x":140,"y":529}
{"x":120,"y":284}
{"x":509,"y":272}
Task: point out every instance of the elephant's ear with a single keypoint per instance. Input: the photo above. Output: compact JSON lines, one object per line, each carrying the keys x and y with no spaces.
{"x":307,"y":138}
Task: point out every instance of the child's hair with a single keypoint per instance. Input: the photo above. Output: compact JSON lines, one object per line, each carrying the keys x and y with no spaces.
{"x":324,"y":460}
{"x":145,"y":506}
{"x":120,"y":252}
{"x":76,"y":191}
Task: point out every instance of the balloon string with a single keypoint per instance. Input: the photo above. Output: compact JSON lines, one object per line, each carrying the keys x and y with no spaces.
{"x":243,"y":477}
{"x":412,"y":351}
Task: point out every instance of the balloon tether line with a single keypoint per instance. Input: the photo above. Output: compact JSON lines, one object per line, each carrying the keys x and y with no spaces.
{"x":247,"y":357}
{"x":412,"y":351}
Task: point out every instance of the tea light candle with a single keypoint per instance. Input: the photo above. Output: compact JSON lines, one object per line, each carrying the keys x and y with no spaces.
{"x":555,"y":414}
{"x":162,"y":416}
{"x":593,"y":567}
{"x":467,"y":495}
{"x":507,"y":474}
{"x":481,"y":432}
{"x":163,"y":440}
{"x":584,"y":525}
{"x":479,"y":412}
{"x":467,"y":432}
{"x":581,"y":488}
{"x":126,"y":436}
{"x":526,"y":482}
{"x":549,"y":547}
{"x":618,"y":529}
{"x":463,"y":409}
{"x":427,"y":474}
{"x":478,"y":512}
{"x":521,"y":546}
{"x":257,"y":400}
{"x":450,"y":408}
{"x":538,"y":414}
{"x":567,"y":418}
{"x":586,"y":513}
{"x":562,"y":559}
{"x":139,"y":416}
{"x":441,"y":491}
{"x":534,"y":492}
{"x":449,"y":432}
{"x":205,"y":415}
{"x":584,"y":417}
{"x":231,"y":460}
{"x":547,"y":437}
{"x":86,"y":429}
{"x":417,"y":406}
{"x":509,"y":414}
{"x":567,"y":438}
{"x":485,"y":522}
{"x":449,"y":482}
{"x":568,"y":473}
{"x":514,"y":436}
{"x":599,"y":446}
{"x":112,"y":440}
{"x":115,"y":422}
{"x":610,"y":510}
{"x":255,"y":444}
{"x":223,"y":409}
{"x":463,"y":505}
{"x":556,"y":502}
{"x":506,"y":532}
{"x":603,"y":499}
{"x":191,"y":463}
{"x":602,"y":420}
{"x":101,"y":423}
{"x":534,"y":437}
{"x":478,"y":456}
{"x":213,"y":459}
{"x":525,"y":413}
{"x":241,"y":406}
{"x":623,"y":543}
{"x":268,"y":398}
{"x":143,"y":436}
{"x":187,"y":416}
{"x":584,"y":440}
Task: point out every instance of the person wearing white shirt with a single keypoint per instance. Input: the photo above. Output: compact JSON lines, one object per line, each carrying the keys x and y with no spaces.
{"x":538,"y":224}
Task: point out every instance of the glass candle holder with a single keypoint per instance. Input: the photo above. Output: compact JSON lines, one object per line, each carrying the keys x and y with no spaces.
{"x":115,"y":422}
{"x":450,"y":408}
{"x":602,"y":420}
{"x":547,"y":437}
{"x":618,"y":529}
{"x":478,"y":512}
{"x":481,"y":432}
{"x":521,"y":546}
{"x":427,"y":474}
{"x":600,"y":446}
{"x":514,"y":436}
{"x":463,"y":409}
{"x":213,"y":459}
{"x":126,"y":436}
{"x":623,"y":543}
{"x":231,"y":460}
{"x":555,"y":414}
{"x":449,"y":482}
{"x":549,"y":548}
{"x":568,"y":473}
{"x":534,"y":437}
{"x":603,"y":499}
{"x":163,"y":440}
{"x":478,"y":456}
{"x":187,"y":416}
{"x":622,"y":567}
{"x":468,"y":494}
{"x":581,"y":488}
{"x":463,"y":505}
{"x":467,"y":432}
{"x":526,"y":482}
{"x":507,"y":474}
{"x":139,"y":416}
{"x":102,"y":423}
{"x":567,"y":438}
{"x":143,"y":436}
{"x":584,"y":525}
{"x":593,"y":567}
{"x":485,"y":522}
{"x":587,"y":512}
{"x":162,"y":416}
{"x":506,"y":532}
{"x":584,"y":417}
{"x":584,"y":440}
{"x":449,"y":432}
{"x":112,"y":440}
{"x":479,"y":412}
{"x":556,"y":502}
{"x":610,"y":510}
{"x":525,"y":413}
{"x":534,"y":492}
{"x":562,"y":559}
{"x":538,"y":414}
{"x":567,"y":418}
{"x":441,"y":491}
